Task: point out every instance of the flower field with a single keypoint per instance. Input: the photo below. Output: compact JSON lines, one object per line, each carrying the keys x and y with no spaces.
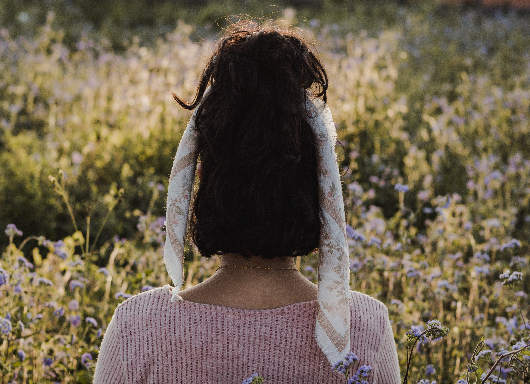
{"x":433,"y":117}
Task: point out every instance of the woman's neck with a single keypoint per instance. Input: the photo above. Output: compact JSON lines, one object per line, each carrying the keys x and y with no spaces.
{"x":253,"y":288}
{"x":256,"y":262}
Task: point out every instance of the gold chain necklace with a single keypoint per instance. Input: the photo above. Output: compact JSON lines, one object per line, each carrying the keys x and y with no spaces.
{"x":241,"y":266}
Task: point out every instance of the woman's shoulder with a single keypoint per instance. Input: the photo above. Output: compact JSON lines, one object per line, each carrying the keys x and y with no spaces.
{"x":158,"y":299}
{"x":150,"y":299}
{"x":361,"y":302}
{"x":370,"y":325}
{"x":358,"y":299}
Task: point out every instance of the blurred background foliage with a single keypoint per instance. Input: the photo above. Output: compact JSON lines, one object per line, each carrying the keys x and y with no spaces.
{"x":90,"y":80}
{"x":119,"y":20}
{"x":421,"y":93}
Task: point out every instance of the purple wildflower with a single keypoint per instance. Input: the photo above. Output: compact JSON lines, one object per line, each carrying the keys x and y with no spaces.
{"x":339,"y":367}
{"x":18,"y":288}
{"x":374,"y":240}
{"x":147,"y":288}
{"x":250,"y":379}
{"x":73,"y":305}
{"x":75,"y":320}
{"x":364,"y":370}
{"x":401,"y":187}
{"x":504,"y":275}
{"x":76,"y":283}
{"x":58,"y":312}
{"x":45,"y":281}
{"x":415,"y":331}
{"x":484,"y":270}
{"x":25,"y":261}
{"x":104,"y":271}
{"x":511,"y":244}
{"x":511,"y":278}
{"x":448,"y":203}
{"x":445,"y":284}
{"x":122,"y":294}
{"x":412,"y":272}
{"x":355,"y":265}
{"x":58,"y":249}
{"x":515,"y":276}
{"x":11,"y":231}
{"x":76,"y":263}
{"x":355,"y":235}
{"x":85,"y":357}
{"x":351,"y":357}
{"x":4,"y":277}
{"x":483,"y":353}
{"x":21,"y":355}
{"x":482,"y":256}
{"x":5,"y":326}
{"x":47,"y":361}
{"x":92,"y":321}
{"x":429,"y":370}
{"x":158,"y":223}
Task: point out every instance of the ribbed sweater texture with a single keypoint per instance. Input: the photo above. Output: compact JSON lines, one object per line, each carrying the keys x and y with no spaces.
{"x":153,"y":340}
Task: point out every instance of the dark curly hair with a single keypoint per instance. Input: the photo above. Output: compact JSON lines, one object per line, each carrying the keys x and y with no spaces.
{"x":258,"y":191}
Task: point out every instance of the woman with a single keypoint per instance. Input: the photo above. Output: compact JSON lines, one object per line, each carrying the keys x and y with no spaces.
{"x":269,"y":190}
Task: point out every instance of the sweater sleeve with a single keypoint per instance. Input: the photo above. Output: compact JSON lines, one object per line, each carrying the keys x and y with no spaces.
{"x":387,"y":357}
{"x":109,"y":368}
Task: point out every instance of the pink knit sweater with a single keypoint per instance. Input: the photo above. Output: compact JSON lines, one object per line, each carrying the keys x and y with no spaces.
{"x":153,"y":340}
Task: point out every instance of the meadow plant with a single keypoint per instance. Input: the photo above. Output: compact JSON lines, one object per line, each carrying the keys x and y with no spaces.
{"x":56,"y":308}
{"x":254,"y":379}
{"x":347,"y":364}
{"x":435,"y":331}
{"x":517,"y":359}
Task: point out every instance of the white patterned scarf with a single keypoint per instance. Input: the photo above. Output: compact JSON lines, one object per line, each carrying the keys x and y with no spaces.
{"x":333,"y":313}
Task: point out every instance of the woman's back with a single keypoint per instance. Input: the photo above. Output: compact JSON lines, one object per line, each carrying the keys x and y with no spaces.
{"x":269,"y":190}
{"x":154,"y":340}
